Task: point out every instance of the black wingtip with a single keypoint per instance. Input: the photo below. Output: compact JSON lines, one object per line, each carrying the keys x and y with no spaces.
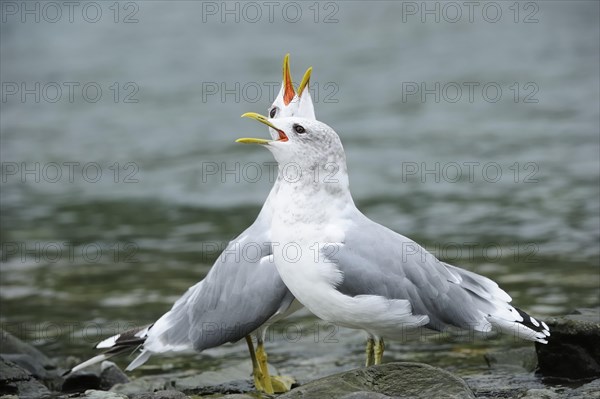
{"x":534,"y":324}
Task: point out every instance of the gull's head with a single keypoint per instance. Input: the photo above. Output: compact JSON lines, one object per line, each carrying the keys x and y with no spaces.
{"x":306,"y":142}
{"x":288,"y":102}
{"x":284,"y":104}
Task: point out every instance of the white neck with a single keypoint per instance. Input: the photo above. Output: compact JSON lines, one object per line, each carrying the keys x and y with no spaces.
{"x":315,"y":192}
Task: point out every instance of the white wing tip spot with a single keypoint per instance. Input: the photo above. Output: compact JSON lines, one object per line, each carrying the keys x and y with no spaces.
{"x":108,"y":342}
{"x":534,"y":321}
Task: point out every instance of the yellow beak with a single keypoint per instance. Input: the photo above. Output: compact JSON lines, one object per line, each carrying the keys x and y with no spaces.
{"x":305,"y":81}
{"x":261,"y":119}
{"x":250,"y":140}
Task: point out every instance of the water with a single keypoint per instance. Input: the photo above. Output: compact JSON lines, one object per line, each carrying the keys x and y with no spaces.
{"x":130,"y":201}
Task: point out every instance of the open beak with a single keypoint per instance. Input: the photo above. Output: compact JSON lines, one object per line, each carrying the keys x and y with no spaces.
{"x":261,"y":119}
{"x":288,"y":87}
{"x":305,"y":81}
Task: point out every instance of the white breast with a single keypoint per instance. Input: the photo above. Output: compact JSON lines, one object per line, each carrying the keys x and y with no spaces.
{"x":302,"y":235}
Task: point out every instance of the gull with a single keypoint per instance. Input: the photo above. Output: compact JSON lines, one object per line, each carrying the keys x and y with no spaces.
{"x":356,"y":273}
{"x":240,"y":295}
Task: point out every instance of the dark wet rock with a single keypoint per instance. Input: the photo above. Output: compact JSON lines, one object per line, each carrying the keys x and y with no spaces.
{"x":191,"y":385}
{"x":228,"y":380}
{"x":31,"y":359}
{"x":29,"y":363}
{"x":81,"y":381}
{"x":14,"y":380}
{"x":397,"y":380}
{"x":573,"y":349}
{"x":9,"y":344}
{"x":170,"y":394}
{"x":111,"y":375}
{"x":26,"y":356}
{"x":238,"y":386}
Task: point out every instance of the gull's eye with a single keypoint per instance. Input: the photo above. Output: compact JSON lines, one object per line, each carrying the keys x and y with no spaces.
{"x":273,"y":112}
{"x":299,"y":129}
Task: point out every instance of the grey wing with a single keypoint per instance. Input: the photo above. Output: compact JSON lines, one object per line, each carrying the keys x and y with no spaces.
{"x":239,"y":294}
{"x":377,"y":261}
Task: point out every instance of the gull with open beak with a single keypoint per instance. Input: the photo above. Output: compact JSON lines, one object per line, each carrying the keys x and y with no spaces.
{"x":351,"y":271}
{"x":238,"y":297}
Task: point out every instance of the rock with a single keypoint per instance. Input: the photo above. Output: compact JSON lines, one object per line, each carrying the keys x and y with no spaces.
{"x":26,"y":356}
{"x":15,"y":380}
{"x":10,"y":344}
{"x":397,"y":380}
{"x":573,"y":349}
{"x":29,"y":363}
{"x":503,"y":383}
{"x":80,"y":381}
{"x":141,"y":385}
{"x":111,"y":375}
{"x":541,"y":394}
{"x":228,"y":380}
{"x":527,"y":386}
{"x":160,"y":395}
{"x":31,"y":359}
{"x":511,"y":384}
{"x":94,"y":394}
{"x":238,"y":386}
{"x":365,"y":395}
{"x":586,"y":391}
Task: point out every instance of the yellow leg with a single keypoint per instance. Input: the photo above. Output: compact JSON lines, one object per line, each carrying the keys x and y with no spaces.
{"x":276,"y":383}
{"x":257,"y":373}
{"x":369,"y":351}
{"x":261,"y":356}
{"x":379,"y":348}
{"x":282,"y":383}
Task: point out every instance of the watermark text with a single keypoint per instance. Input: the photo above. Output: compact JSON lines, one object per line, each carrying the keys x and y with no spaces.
{"x":70,"y":92}
{"x":69,"y":172}
{"x":52,"y":12}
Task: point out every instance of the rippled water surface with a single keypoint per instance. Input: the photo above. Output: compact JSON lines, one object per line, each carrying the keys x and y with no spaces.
{"x":112,"y":209}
